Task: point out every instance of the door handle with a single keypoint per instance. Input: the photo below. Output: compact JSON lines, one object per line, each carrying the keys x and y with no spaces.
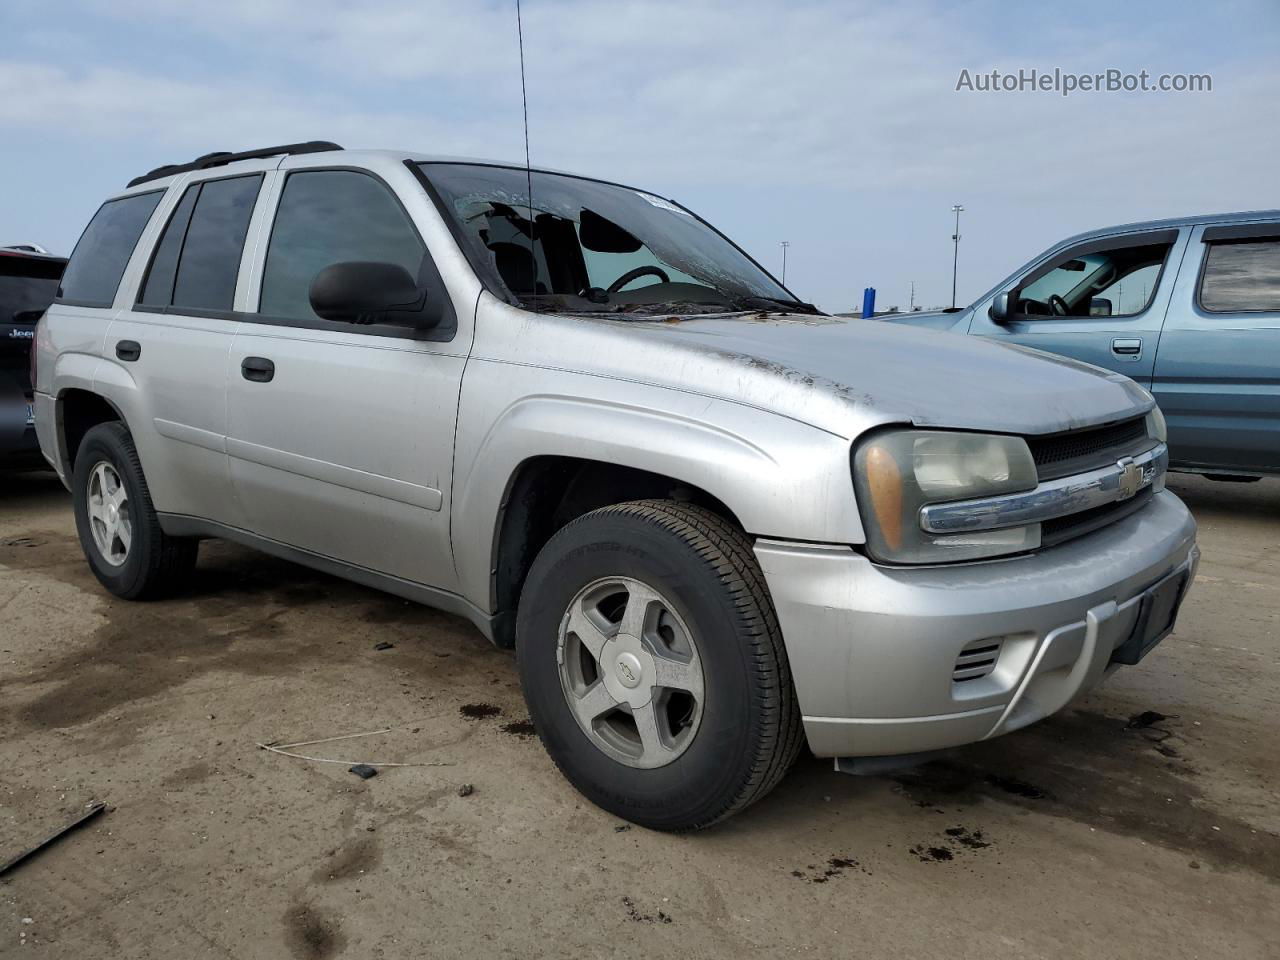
{"x":128,"y":350}
{"x":1126,"y":348}
{"x":257,"y":369}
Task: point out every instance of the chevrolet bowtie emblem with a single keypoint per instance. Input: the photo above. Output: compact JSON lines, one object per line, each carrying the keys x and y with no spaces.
{"x":1131,"y":476}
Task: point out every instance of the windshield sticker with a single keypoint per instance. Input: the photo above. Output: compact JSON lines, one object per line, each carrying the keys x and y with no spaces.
{"x":660,"y":203}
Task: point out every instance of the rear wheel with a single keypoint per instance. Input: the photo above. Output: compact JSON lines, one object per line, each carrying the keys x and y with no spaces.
{"x":653,"y":665}
{"x":117,"y":523}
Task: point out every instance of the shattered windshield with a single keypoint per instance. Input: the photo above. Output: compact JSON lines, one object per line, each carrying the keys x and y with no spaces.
{"x":596,"y":247}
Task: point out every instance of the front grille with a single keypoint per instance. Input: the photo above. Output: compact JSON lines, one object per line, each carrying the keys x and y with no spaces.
{"x":1077,"y":451}
{"x":1074,"y":452}
{"x":1086,"y":521}
{"x":976,"y":660}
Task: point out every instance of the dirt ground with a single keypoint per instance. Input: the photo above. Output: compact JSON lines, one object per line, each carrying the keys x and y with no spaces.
{"x":1086,"y":835}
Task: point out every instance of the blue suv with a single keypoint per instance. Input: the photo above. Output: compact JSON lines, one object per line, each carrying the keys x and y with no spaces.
{"x":1189,"y":308}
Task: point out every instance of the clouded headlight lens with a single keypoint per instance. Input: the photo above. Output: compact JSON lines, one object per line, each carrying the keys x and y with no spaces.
{"x":898,"y":472}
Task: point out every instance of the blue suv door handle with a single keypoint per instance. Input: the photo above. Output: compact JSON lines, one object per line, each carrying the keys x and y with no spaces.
{"x":1128,"y":349}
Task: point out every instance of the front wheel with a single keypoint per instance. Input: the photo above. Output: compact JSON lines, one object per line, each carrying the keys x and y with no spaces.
{"x":653,"y":666}
{"x":117,"y":523}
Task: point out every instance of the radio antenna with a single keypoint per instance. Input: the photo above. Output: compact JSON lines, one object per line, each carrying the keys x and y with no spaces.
{"x":528,"y":169}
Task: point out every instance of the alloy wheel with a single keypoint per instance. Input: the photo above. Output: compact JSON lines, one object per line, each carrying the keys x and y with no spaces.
{"x":630,"y":672}
{"x":110,"y":520}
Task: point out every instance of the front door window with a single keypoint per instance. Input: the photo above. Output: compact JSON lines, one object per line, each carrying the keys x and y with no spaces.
{"x":1117,"y":283}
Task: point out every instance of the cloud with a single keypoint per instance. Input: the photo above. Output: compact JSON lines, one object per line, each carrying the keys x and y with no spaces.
{"x":835,"y":94}
{"x":841,"y":104}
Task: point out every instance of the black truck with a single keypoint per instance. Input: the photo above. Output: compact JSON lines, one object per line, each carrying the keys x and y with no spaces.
{"x":28,"y":283}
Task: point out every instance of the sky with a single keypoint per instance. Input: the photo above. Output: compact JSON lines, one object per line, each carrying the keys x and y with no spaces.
{"x":835,"y":125}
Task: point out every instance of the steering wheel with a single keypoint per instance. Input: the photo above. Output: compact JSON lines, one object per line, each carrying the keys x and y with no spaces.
{"x":1058,"y":307}
{"x":636,"y":274}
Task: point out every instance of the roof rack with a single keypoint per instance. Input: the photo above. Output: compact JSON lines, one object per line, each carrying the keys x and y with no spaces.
{"x":220,"y":157}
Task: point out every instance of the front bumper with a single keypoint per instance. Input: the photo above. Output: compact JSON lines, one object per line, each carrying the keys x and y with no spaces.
{"x":873,"y":649}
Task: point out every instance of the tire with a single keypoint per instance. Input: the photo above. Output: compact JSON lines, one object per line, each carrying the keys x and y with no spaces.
{"x":736,"y":743}
{"x":152,"y":564}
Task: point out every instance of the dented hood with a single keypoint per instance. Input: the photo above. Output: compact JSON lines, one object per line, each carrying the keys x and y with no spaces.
{"x":845,"y":375}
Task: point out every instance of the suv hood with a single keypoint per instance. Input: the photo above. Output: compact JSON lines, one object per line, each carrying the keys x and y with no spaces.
{"x":930,"y":319}
{"x":846,"y":375}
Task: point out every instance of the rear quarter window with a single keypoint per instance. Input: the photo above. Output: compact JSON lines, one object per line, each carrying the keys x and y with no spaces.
{"x":1241,"y":276}
{"x":99,"y":259}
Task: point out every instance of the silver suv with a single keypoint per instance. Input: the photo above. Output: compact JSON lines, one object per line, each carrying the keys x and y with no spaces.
{"x":714,"y":523}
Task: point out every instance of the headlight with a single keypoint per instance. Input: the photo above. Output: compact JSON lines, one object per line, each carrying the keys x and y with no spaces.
{"x":1156,"y":426}
{"x":898,"y":472}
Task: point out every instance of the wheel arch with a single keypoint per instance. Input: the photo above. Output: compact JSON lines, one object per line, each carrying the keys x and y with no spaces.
{"x":78,"y":411}
{"x":546,"y":492}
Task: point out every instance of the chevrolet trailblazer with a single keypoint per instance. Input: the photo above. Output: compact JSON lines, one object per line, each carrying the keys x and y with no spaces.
{"x":715,"y":524}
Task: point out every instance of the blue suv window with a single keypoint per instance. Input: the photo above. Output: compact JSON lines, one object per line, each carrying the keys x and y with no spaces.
{"x":1242,"y":277}
{"x":1116,"y":282}
{"x":197,"y":260}
{"x":103,"y":252}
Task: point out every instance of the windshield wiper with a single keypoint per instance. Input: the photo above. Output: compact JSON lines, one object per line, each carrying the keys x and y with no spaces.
{"x":587,"y":306}
{"x":773,"y":305}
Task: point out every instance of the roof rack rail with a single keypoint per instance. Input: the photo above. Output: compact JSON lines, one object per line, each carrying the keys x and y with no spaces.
{"x":220,"y":157}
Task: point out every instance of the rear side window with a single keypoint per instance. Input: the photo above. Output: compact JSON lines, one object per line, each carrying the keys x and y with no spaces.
{"x":99,"y":259}
{"x":1241,"y":277}
{"x":327,"y":217}
{"x":27,"y":287}
{"x":157,"y":289}
{"x":197,"y":260}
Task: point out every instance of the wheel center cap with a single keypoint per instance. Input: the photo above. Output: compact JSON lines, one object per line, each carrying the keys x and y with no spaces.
{"x":627,"y":670}
{"x":111,"y":512}
{"x":630,"y":672}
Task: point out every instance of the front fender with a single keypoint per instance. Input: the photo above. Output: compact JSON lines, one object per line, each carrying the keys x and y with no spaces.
{"x":780,"y":477}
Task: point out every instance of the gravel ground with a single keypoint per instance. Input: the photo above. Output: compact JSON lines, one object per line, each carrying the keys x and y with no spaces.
{"x":1085,"y":835}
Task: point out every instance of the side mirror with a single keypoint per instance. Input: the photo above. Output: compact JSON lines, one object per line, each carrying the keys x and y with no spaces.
{"x":363,"y":292}
{"x":1002,"y":307}
{"x":1099,"y":307}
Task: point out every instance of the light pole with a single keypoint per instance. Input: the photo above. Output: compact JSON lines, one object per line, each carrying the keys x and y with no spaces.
{"x":785,"y":244}
{"x":955,"y":260}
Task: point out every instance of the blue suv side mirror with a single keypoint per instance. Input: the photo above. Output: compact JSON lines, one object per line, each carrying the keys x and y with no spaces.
{"x":1001,"y":307}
